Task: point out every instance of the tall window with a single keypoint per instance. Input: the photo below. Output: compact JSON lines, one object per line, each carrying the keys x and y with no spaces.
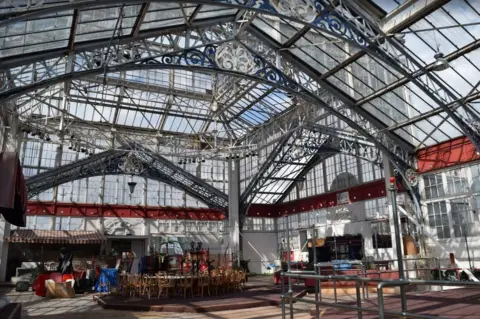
{"x":381,"y":237}
{"x":461,"y":219}
{"x":269,"y":223}
{"x":457,"y":181}
{"x":376,"y":208}
{"x":69,"y":223}
{"x":438,"y":218}
{"x":433,"y":186}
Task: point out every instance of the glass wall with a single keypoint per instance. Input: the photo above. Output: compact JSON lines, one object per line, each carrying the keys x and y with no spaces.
{"x":451,"y":201}
{"x":337,"y":172}
{"x":259,"y":224}
{"x":37,"y":156}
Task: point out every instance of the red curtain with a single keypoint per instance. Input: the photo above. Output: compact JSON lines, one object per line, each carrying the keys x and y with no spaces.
{"x":13,"y":192}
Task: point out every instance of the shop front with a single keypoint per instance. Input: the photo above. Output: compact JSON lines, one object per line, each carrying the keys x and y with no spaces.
{"x":29,"y":249}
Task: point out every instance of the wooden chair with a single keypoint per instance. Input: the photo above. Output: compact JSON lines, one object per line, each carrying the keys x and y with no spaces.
{"x":214,"y":283}
{"x":122,"y":284}
{"x":223,"y":282}
{"x":150,"y":286}
{"x":135,"y":285}
{"x":237,"y":280}
{"x":243,"y":280}
{"x":186,"y":284}
{"x":231,"y":281}
{"x":203,"y":282}
{"x":164,"y":284}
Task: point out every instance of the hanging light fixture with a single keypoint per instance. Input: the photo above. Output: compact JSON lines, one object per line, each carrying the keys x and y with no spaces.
{"x":131,"y":185}
{"x":214,"y":106}
{"x":441,"y":64}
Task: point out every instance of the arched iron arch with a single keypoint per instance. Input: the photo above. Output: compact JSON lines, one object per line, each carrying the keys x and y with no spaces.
{"x":316,"y":141}
{"x":204,"y":59}
{"x":320,"y":15}
{"x":110,"y":162}
{"x":344,"y":20}
{"x":322,"y":156}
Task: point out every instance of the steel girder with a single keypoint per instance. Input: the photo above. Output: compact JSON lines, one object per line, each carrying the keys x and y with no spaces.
{"x":314,"y":161}
{"x":174,"y":175}
{"x":315,"y":13}
{"x":261,"y":70}
{"x":398,"y":152}
{"x":389,"y":50}
{"x":343,"y":20}
{"x":148,"y":164}
{"x":306,"y":147}
{"x":210,"y":59}
{"x":39,"y":70}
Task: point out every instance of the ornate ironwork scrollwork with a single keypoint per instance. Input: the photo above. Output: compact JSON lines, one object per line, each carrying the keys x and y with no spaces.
{"x":235,"y":57}
{"x":305,"y":10}
{"x":315,"y":12}
{"x":131,"y":165}
{"x":201,"y":57}
{"x":331,"y":21}
{"x":412,"y":177}
{"x":266,"y":71}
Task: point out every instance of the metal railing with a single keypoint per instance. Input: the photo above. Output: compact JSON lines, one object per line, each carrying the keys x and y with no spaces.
{"x":359,"y":281}
{"x":364,"y":271}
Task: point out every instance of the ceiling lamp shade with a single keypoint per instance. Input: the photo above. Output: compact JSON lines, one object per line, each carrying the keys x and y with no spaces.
{"x":214,"y":106}
{"x":131,"y":187}
{"x":441,"y":63}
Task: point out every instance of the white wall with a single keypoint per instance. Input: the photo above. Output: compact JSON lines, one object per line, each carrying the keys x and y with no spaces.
{"x":266,"y":244}
{"x":4,"y":231}
{"x":458,"y":247}
{"x":138,"y":249}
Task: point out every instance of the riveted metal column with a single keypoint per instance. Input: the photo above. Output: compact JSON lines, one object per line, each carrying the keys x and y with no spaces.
{"x":395,"y":229}
{"x":234,"y":206}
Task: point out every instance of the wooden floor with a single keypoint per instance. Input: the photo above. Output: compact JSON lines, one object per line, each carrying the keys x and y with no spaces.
{"x":454,"y":304}
{"x":262,"y":296}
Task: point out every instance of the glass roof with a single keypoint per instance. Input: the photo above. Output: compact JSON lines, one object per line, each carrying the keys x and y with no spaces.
{"x":406,"y":100}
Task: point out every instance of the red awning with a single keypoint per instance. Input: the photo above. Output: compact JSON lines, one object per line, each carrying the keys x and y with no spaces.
{"x":13,"y":192}
{"x":55,"y":237}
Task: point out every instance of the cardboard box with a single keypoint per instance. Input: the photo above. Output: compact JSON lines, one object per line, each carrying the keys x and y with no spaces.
{"x":60,"y":289}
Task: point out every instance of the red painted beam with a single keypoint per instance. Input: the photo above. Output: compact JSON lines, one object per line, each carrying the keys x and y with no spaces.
{"x":375,"y":189}
{"x":358,"y":193}
{"x":451,"y":153}
{"x":124,"y":211}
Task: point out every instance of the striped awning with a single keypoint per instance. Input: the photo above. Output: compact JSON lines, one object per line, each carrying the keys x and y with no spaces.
{"x":32,"y":236}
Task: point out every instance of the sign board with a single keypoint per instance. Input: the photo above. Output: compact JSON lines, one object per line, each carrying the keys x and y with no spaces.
{"x":343,"y":198}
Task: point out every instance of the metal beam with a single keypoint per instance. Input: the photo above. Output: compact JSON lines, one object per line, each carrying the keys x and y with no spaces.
{"x":341,"y":96}
{"x":377,"y":49}
{"x":408,"y":13}
{"x":253,"y":103}
{"x":265,"y":169}
{"x":176,"y":60}
{"x":453,"y":105}
{"x":114,"y":81}
{"x":73,"y":30}
{"x":149,"y":164}
{"x":22,"y":59}
{"x":141,"y":16}
{"x":429,"y":68}
{"x":314,"y":161}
